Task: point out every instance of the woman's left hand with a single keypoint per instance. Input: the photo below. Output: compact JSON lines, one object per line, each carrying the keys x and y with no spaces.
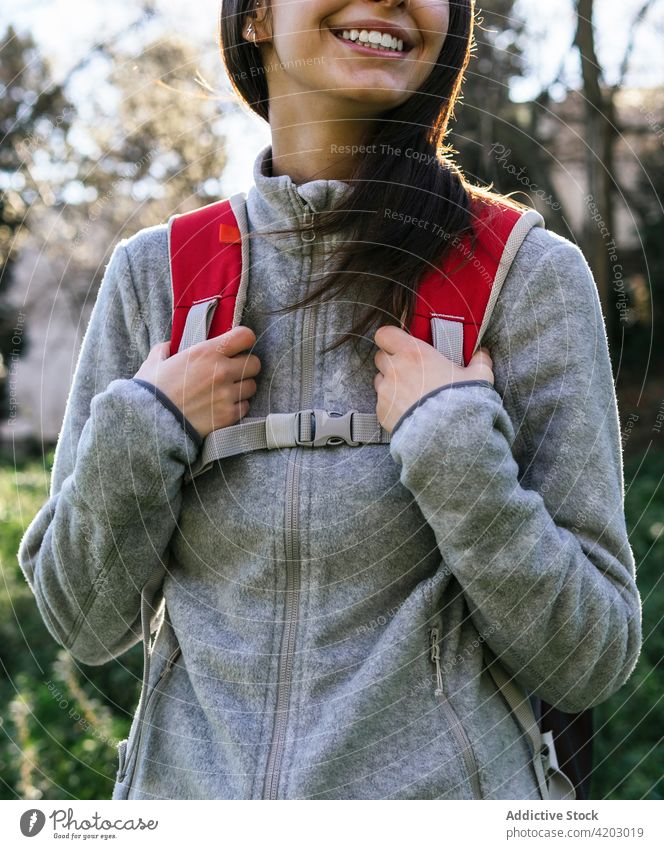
{"x":408,"y":368}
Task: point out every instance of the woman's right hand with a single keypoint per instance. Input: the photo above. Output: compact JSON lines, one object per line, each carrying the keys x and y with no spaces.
{"x":211,"y":381}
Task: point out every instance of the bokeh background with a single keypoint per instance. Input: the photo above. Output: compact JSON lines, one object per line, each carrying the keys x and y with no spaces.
{"x":114,"y":116}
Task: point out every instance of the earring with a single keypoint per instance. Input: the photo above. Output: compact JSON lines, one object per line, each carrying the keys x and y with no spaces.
{"x":251,"y":33}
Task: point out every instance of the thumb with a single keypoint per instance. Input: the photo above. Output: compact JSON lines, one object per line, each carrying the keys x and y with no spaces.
{"x":160,"y":351}
{"x":482,"y":354}
{"x":482,"y":364}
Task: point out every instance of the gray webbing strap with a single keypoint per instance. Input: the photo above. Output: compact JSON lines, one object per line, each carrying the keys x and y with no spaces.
{"x":552,"y":782}
{"x":447,"y":336}
{"x":197,"y":325}
{"x":147,"y":597}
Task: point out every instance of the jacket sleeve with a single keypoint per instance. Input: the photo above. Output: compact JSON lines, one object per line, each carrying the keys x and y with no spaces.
{"x":115,"y":489}
{"x":522,"y":483}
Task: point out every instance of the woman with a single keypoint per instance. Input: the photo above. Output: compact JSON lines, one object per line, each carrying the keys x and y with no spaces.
{"x":302,"y":589}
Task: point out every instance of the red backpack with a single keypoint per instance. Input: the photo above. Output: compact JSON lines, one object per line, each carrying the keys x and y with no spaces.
{"x":453,"y":306}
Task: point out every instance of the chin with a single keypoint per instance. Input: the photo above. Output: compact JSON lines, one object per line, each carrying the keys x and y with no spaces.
{"x":371,"y":97}
{"x":372,"y":101}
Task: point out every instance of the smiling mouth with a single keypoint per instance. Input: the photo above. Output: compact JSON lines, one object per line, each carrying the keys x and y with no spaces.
{"x":351,"y":37}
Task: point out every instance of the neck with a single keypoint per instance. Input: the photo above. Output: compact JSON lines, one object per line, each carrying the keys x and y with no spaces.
{"x":306,"y":146}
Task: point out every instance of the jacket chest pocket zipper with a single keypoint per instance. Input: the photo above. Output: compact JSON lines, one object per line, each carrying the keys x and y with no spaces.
{"x":122,"y":757}
{"x":125,"y":756}
{"x":457,"y":728}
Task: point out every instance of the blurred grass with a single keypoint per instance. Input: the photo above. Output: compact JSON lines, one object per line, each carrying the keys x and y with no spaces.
{"x":60,"y":720}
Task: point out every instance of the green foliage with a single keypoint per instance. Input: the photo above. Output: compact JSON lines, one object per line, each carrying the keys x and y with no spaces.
{"x":62,"y":720}
{"x":629,"y":758}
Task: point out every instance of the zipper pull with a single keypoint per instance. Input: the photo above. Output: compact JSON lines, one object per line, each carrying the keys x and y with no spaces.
{"x":435,"y":659}
{"x":310,"y":235}
{"x":171,"y":660}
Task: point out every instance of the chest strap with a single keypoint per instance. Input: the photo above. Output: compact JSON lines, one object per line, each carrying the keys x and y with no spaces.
{"x":311,"y":428}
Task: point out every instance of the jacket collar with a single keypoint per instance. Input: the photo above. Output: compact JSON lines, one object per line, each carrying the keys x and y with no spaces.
{"x":276,"y":201}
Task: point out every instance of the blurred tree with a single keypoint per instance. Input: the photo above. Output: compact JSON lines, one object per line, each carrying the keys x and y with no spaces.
{"x":498,"y":140}
{"x":147,"y":142}
{"x":37,"y":168}
{"x":645,"y":199}
{"x":150,"y":145}
{"x":34,"y":115}
{"x":163,"y":141}
{"x":602,"y":131}
{"x":505,"y":144}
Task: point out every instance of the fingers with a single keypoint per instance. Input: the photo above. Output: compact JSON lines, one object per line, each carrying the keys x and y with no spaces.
{"x":242,"y":366}
{"x":229,"y":347}
{"x":239,"y":366}
{"x":244,"y":389}
{"x":381,"y":361}
{"x":391,"y":339}
{"x":242,"y":408}
{"x":235,"y":340}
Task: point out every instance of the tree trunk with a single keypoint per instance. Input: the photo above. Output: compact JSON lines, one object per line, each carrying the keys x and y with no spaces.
{"x":598,"y":232}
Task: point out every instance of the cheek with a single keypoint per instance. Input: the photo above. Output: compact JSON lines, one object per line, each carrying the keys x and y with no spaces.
{"x":298,"y":29}
{"x":433,"y":23}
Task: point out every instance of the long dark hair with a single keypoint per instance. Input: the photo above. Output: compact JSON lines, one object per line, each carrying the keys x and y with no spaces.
{"x":382,"y":258}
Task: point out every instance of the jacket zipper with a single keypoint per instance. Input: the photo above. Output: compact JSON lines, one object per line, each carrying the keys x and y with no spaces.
{"x":455,"y":723}
{"x":167,"y":668}
{"x":291,"y":541}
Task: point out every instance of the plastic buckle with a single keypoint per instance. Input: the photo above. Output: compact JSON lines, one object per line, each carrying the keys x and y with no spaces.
{"x":330,"y":428}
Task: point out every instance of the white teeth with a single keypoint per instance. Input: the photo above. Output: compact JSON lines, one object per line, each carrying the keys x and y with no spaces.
{"x":374,"y":38}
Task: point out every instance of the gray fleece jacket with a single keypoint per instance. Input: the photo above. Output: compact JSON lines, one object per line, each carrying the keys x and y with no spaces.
{"x":297,"y":589}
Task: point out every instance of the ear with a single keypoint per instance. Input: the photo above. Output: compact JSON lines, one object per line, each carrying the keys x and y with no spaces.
{"x":259,"y":18}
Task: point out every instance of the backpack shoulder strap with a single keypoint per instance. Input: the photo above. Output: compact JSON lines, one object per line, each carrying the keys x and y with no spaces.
{"x":455,"y":301}
{"x":458,"y":295}
{"x":205,"y":258}
{"x":553,"y":783}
